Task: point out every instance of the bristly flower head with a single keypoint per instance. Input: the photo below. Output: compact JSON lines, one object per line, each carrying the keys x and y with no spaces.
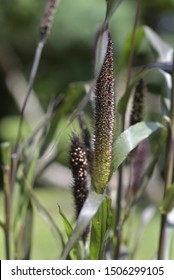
{"x":138,"y":156}
{"x":79,"y":167}
{"x":103,"y":122}
{"x":138,"y":103}
{"x":47,"y":19}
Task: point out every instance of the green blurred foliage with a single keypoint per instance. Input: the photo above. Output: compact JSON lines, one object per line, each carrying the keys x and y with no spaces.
{"x":69,"y":53}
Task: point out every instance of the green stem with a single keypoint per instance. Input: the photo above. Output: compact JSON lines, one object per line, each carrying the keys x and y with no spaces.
{"x":6,"y":159}
{"x":119,"y":192}
{"x":169,"y":171}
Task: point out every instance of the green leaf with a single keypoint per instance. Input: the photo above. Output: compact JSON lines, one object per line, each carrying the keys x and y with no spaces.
{"x":2,"y":225}
{"x":47,"y":218}
{"x":156,"y":141}
{"x":75,"y":252}
{"x":168,"y":202}
{"x":73,"y":94}
{"x":88,"y":211}
{"x":139,"y":35}
{"x":67,"y":225}
{"x":31,"y":169}
{"x":161,"y":47}
{"x":112,"y":5}
{"x":100,"y":226}
{"x":27,"y":226}
{"x":122,"y":104}
{"x":101,"y":48}
{"x":129,"y":139}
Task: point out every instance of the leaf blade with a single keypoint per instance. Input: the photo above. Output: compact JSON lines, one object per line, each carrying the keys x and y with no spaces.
{"x":100,"y":224}
{"x":112,"y":6}
{"x":129,"y":139}
{"x":88,"y":211}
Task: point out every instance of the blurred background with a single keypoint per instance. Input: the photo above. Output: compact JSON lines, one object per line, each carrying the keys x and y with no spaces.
{"x":67,"y":61}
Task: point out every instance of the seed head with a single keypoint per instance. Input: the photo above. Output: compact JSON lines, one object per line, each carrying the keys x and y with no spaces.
{"x":103,"y":122}
{"x":79,"y":167}
{"x":138,"y":103}
{"x":47,"y":19}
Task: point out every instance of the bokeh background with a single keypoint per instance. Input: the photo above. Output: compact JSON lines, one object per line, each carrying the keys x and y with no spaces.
{"x":68,"y":58}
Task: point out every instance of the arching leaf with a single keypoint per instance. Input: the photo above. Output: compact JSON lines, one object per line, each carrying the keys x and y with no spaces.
{"x":129,"y":139}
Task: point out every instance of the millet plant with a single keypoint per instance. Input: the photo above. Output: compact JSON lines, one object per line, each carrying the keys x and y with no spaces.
{"x":109,"y":145}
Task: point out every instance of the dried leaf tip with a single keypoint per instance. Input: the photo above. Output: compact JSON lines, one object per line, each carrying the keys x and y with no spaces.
{"x":47,"y":19}
{"x":138,"y":104}
{"x":103,"y":121}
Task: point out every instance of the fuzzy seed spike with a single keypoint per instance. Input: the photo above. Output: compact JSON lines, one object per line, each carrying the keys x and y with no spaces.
{"x":138,"y":103}
{"x":103,"y":120}
{"x":47,"y":19}
{"x":79,"y":167}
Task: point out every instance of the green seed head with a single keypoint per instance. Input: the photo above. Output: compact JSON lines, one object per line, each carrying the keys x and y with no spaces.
{"x":103,"y":121}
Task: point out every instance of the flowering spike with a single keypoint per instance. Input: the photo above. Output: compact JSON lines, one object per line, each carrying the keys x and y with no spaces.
{"x":138,"y":104}
{"x":79,"y":167}
{"x":138,"y":156}
{"x":103,"y":121}
{"x":47,"y":19}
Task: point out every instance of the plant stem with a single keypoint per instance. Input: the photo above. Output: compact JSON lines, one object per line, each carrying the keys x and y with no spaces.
{"x":6,"y":160}
{"x":30,"y":85}
{"x":119,"y":192}
{"x":118,"y":217}
{"x":169,"y":171}
{"x":130,"y":61}
{"x":7,"y":211}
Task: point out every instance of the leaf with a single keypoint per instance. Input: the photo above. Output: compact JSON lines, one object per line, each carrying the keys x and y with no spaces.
{"x":100,"y":225}
{"x":2,"y":225}
{"x":72,"y":96}
{"x":112,"y":5}
{"x":156,"y":141}
{"x":168,"y":202}
{"x":129,"y":139}
{"x":67,"y":225}
{"x":122,"y":104}
{"x":165,"y":66}
{"x":100,"y":51}
{"x":5,"y":149}
{"x":139,"y":36}
{"x":28,"y":223}
{"x":47,"y":218}
{"x":75,"y":252}
{"x":88,"y":211}
{"x":161,"y":47}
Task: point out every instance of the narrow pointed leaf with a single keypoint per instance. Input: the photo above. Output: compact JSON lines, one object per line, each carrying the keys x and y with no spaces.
{"x":130,"y":138}
{"x":75,"y":252}
{"x":156,"y":141}
{"x":112,"y":5}
{"x":73,"y":94}
{"x":88,"y":211}
{"x":161,"y":47}
{"x":168,"y":202}
{"x":66,"y":223}
{"x":139,"y":36}
{"x":47,"y":218}
{"x":101,"y":48}
{"x":2,"y":225}
{"x":100,"y":226}
{"x":28,"y":225}
{"x":122,"y":104}
{"x":165,"y":66}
